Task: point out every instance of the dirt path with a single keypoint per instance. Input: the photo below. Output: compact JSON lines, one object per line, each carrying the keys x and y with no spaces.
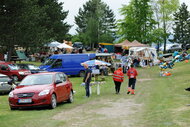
{"x":101,"y":113}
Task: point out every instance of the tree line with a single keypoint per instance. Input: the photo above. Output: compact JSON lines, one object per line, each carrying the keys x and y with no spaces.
{"x":32,"y":23}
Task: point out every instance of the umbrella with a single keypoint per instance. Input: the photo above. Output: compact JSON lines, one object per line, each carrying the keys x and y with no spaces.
{"x":53,"y":44}
{"x":63,"y":45}
{"x":96,"y":62}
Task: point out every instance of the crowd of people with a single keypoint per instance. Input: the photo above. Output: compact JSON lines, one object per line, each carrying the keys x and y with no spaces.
{"x":100,"y":49}
{"x":118,"y":78}
{"x":128,"y":65}
{"x":177,"y":57}
{"x":127,"y":61}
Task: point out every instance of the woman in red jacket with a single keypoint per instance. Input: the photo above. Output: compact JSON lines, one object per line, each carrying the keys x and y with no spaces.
{"x":132,"y":74}
{"x":118,"y":77}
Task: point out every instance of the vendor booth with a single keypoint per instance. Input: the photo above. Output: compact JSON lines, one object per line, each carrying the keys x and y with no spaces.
{"x":125,"y":45}
{"x":108,"y":46}
{"x":147,"y":54}
{"x":120,"y":46}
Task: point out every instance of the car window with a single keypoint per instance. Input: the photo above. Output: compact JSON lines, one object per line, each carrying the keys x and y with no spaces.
{"x":33,"y":67}
{"x":4,"y":79}
{"x":63,"y":77}
{"x":3,"y":67}
{"x":23,"y":67}
{"x":13,"y":67}
{"x":57,"y":63}
{"x":174,"y":46}
{"x":42,"y":79}
{"x":49,"y":61}
{"x":57,"y":77}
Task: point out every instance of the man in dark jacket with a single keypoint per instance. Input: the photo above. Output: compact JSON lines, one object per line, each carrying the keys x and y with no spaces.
{"x":87,"y":79}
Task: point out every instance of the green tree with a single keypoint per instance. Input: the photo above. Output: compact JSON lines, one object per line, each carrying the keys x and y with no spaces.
{"x":182,"y":25}
{"x":157,"y":36}
{"x":53,"y":19}
{"x":29,"y":24}
{"x":164,"y":10}
{"x":96,"y":23}
{"x":18,"y":26}
{"x":138,"y":21}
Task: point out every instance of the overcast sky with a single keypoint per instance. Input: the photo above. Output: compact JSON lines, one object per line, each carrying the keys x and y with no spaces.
{"x":73,"y":7}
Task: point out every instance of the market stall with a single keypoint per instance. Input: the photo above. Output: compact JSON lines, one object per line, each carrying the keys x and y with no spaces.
{"x":146,"y":54}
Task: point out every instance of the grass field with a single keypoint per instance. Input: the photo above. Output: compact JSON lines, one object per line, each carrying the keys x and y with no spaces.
{"x":164,"y":102}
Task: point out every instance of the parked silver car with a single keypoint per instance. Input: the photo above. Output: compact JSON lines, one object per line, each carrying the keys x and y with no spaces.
{"x":171,"y":47}
{"x":5,"y":84}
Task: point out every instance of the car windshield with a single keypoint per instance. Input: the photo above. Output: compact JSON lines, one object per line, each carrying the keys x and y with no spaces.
{"x":33,"y":67}
{"x":49,"y":61}
{"x":4,"y":79}
{"x":42,"y":79}
{"x":13,"y":67}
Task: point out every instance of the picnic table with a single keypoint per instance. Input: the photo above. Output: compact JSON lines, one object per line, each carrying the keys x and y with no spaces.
{"x":97,"y":83}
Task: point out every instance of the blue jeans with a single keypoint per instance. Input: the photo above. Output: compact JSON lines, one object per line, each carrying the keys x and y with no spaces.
{"x":87,"y":84}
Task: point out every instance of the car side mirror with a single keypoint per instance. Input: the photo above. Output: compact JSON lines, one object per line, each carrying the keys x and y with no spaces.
{"x":58,"y":81}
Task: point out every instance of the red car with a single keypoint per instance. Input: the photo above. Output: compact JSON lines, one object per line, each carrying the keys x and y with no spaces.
{"x":41,"y":89}
{"x":11,"y":70}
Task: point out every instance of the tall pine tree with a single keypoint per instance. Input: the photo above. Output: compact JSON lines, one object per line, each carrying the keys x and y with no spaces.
{"x":53,"y":19}
{"x":29,"y":24}
{"x":96,"y":23}
{"x":182,"y":25}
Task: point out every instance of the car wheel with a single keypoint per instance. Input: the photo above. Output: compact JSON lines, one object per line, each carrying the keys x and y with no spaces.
{"x":53,"y":101}
{"x":71,"y":98}
{"x":81,"y":73}
{"x":15,"y":78}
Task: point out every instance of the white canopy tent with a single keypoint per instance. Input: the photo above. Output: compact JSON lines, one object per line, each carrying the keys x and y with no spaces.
{"x":53,"y":44}
{"x":63,"y":45}
{"x":145,"y":53}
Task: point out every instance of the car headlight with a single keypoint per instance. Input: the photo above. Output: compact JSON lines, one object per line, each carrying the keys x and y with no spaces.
{"x":21,"y":73}
{"x":11,"y":94}
{"x":44,"y":92}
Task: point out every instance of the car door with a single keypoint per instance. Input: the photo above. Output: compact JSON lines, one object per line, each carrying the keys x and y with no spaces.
{"x":4,"y":86}
{"x":4,"y":70}
{"x":60,"y":88}
{"x":67,"y":86}
{"x":175,"y":47}
{"x":57,"y":66}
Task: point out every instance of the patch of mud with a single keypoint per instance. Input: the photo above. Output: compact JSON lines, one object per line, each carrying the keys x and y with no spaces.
{"x":101,"y":113}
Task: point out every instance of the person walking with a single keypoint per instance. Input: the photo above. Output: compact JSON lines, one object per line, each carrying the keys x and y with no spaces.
{"x":87,"y":79}
{"x":132,"y":74}
{"x":118,"y":77}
